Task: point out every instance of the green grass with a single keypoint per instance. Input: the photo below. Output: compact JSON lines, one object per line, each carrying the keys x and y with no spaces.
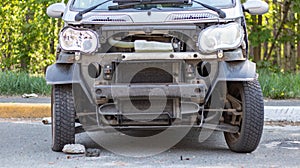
{"x":279,"y":85}
{"x":18,"y":83}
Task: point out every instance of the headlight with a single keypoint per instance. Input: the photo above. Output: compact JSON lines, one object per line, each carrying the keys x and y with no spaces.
{"x":220,"y":37}
{"x":78,"y":40}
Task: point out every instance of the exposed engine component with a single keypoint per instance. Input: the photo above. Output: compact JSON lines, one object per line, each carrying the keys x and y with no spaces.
{"x":143,"y":43}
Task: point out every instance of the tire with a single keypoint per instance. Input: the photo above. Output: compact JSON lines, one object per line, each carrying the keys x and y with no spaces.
{"x":252,"y":121}
{"x":63,"y":117}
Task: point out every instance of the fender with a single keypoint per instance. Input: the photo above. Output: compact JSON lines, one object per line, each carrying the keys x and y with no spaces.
{"x":62,"y":74}
{"x":237,"y":71}
{"x":240,"y":71}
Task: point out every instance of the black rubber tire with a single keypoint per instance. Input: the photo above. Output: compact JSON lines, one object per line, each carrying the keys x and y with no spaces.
{"x":63,"y":117}
{"x":248,"y":138}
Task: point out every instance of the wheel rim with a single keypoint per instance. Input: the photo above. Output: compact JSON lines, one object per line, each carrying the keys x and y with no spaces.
{"x":236,"y":90}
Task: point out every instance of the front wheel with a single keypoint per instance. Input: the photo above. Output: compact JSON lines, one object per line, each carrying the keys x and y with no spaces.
{"x":248,"y":99}
{"x":63,"y":117}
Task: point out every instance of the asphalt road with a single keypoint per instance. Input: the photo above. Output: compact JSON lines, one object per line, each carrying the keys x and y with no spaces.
{"x":27,"y":144}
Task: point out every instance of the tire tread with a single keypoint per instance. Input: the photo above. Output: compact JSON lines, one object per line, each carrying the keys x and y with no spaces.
{"x":63,"y":117}
{"x":253,"y":119}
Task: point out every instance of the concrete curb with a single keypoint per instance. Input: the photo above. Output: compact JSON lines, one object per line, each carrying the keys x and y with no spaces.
{"x":40,"y":110}
{"x":282,"y":113}
{"x":25,"y":110}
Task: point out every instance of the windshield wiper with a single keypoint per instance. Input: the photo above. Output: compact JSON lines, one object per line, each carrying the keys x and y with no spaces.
{"x":124,"y":4}
{"x":78,"y":16}
{"x":221,"y":13}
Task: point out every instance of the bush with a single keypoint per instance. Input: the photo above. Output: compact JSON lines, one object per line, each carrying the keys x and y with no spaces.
{"x":28,"y":37}
{"x":279,"y":84}
{"x":275,"y":84}
{"x":18,"y":83}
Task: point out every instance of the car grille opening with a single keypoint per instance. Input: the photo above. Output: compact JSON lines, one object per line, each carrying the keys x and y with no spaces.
{"x":152,"y":75}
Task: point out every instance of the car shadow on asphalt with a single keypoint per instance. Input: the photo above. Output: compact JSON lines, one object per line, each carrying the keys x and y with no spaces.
{"x":190,"y":143}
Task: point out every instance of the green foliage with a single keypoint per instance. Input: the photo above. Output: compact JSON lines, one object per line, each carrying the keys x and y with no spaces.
{"x":267,"y":66}
{"x":263,"y":33}
{"x":27,"y":35}
{"x":279,"y":85}
{"x":275,"y":35}
{"x":275,"y":83}
{"x":258,"y":33}
{"x":18,"y":83}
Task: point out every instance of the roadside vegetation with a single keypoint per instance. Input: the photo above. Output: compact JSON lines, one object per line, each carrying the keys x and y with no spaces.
{"x":29,"y":45}
{"x":18,"y":83}
{"x":279,"y":85}
{"x":275,"y":83}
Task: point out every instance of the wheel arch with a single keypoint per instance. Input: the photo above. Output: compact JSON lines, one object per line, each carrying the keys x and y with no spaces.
{"x":236,"y":71}
{"x":62,"y":74}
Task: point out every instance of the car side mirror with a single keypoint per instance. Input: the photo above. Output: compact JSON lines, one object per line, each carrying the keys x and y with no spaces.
{"x":56,"y":10}
{"x":255,"y":7}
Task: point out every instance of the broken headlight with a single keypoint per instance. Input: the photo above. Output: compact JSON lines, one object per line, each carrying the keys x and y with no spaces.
{"x":220,"y":37}
{"x":82,"y":40}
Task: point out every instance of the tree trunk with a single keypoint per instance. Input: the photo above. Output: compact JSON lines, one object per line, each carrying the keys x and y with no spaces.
{"x":256,"y":50}
{"x":293,"y":42}
{"x":25,"y":59}
{"x":298,"y":51}
{"x":290,"y":48}
{"x":286,"y":8}
{"x":298,"y":40}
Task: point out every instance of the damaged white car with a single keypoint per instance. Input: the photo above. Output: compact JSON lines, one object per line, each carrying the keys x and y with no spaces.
{"x":156,"y":64}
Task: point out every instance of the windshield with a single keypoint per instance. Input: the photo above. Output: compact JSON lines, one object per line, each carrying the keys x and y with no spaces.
{"x":83,"y":4}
